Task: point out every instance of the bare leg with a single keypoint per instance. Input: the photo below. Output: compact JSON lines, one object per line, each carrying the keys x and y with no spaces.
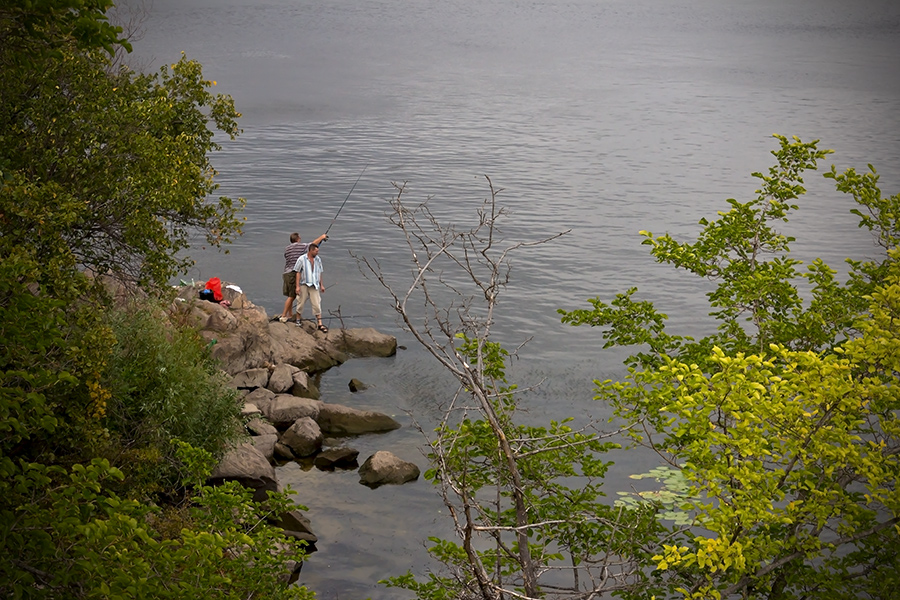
{"x":288,"y":305}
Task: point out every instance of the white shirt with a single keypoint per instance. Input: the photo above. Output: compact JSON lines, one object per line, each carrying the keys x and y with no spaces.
{"x":308,"y":274}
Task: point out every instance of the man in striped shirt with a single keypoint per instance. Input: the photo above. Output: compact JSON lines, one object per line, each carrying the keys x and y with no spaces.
{"x":292,"y":252}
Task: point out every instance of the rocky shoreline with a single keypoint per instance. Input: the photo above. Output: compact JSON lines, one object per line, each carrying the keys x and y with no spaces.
{"x":284,"y":418}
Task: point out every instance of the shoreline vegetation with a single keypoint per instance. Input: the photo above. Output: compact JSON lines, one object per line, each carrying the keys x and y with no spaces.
{"x":779,"y":434}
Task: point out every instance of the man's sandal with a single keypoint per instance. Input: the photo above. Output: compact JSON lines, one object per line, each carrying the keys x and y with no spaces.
{"x":322,"y":328}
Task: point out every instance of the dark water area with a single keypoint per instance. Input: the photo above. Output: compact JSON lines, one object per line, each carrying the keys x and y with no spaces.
{"x":600,"y":118}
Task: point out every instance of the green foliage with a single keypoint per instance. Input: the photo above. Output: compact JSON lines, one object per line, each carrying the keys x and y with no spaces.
{"x":673,"y":497}
{"x":568,"y":525}
{"x":786,"y":422}
{"x":163,"y":384}
{"x":108,"y":173}
{"x":757,"y":300}
{"x":77,"y":540}
{"x":792,"y":463}
{"x":36,"y":29}
{"x":53,"y":356}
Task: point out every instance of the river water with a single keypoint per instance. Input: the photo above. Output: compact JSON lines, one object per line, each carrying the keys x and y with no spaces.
{"x":597,"y":117}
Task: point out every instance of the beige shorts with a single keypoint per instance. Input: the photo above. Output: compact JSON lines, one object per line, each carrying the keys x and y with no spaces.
{"x":314,"y":298}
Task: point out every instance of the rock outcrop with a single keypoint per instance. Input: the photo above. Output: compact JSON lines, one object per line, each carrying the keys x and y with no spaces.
{"x":270,"y":363}
{"x":244,"y":338}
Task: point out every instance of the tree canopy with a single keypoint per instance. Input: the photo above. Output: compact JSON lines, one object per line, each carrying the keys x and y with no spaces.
{"x":110,"y":420}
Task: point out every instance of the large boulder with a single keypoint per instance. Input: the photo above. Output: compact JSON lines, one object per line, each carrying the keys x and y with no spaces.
{"x":283,"y":451}
{"x":386,"y":468}
{"x":340,"y":419}
{"x":282,"y":378}
{"x":303,"y":386}
{"x":295,"y":524}
{"x":261,"y":398}
{"x":249,"y":467}
{"x":251,"y":379}
{"x":366,"y":341}
{"x":285,"y":409}
{"x":337,"y":458}
{"x":260,"y":427}
{"x":250,"y":410}
{"x":304,"y":437}
{"x":265,"y":444}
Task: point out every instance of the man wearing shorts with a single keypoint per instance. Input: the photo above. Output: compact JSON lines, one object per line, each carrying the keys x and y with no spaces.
{"x":292,"y":252}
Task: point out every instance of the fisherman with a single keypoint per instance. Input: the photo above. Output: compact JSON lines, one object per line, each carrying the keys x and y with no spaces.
{"x":309,"y":283}
{"x":292,"y":252}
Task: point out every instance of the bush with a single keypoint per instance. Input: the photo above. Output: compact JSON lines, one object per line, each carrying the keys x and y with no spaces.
{"x":164,"y":385}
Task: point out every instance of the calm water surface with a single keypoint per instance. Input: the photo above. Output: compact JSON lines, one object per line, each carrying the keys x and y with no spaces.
{"x":601,"y":118}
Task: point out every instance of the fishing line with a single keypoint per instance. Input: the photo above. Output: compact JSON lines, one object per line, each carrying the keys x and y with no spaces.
{"x":331,"y":317}
{"x":345,"y":200}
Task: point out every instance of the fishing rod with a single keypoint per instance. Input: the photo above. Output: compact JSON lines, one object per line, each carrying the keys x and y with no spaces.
{"x":345,"y":200}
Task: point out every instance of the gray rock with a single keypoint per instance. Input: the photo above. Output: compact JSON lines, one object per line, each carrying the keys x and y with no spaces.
{"x":295,"y":521}
{"x":282,"y":378}
{"x":386,"y":468}
{"x":303,"y":386}
{"x":251,"y":379}
{"x":261,"y":397}
{"x":285,"y":409}
{"x":265,"y":444}
{"x":260,"y":427}
{"x":303,"y":437}
{"x":367,"y":341}
{"x":249,"y":409}
{"x":245,"y":338}
{"x":337,"y":458}
{"x":293,"y":567}
{"x":337,"y":418}
{"x":248,"y":466}
{"x":306,"y":537}
{"x":221,"y":319}
{"x":356,"y":385}
{"x":283,"y":451}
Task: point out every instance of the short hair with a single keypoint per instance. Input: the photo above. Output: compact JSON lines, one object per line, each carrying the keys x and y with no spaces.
{"x":311,"y":246}
{"x":295,"y":237}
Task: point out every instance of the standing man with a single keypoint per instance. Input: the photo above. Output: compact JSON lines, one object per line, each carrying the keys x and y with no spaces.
{"x":292,"y":252}
{"x":309,"y":283}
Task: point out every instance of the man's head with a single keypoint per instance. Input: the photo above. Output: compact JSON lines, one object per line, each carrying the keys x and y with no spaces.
{"x":295,"y":237}
{"x":313,"y":250}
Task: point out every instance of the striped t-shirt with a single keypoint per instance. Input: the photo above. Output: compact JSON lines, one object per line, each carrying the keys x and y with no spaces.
{"x":291,"y":253}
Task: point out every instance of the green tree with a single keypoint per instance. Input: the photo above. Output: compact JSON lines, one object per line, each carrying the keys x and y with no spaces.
{"x":31,"y":31}
{"x":111,"y":173}
{"x":99,"y":173}
{"x":785,"y":421}
{"x":106,"y":175}
{"x":757,"y":299}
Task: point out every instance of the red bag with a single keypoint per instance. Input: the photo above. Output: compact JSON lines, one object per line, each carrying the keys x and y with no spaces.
{"x":215,"y":285}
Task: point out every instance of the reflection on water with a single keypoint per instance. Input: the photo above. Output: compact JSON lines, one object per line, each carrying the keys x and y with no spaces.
{"x":597,"y":117}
